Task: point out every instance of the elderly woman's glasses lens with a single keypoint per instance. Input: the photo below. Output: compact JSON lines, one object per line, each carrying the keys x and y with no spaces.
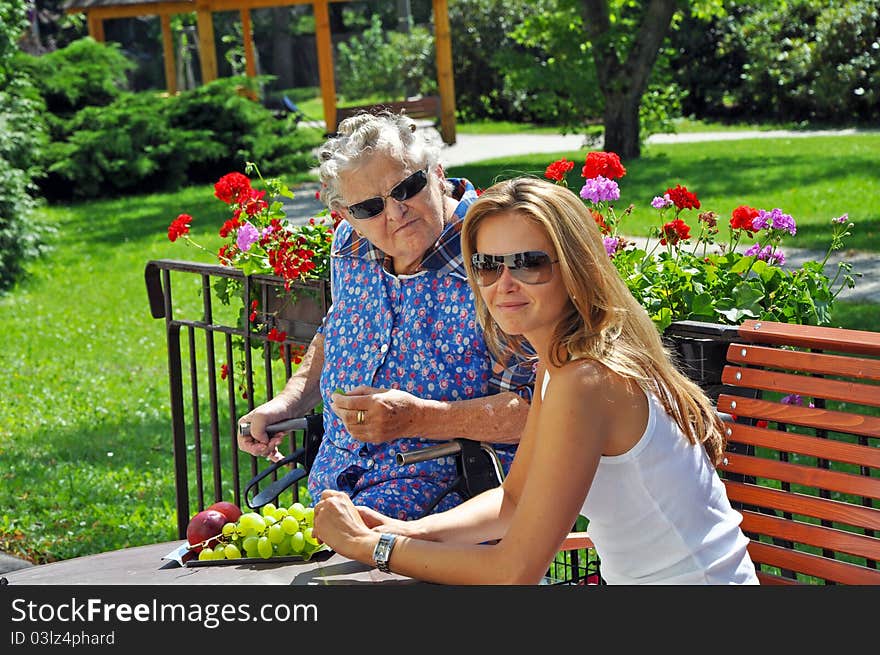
{"x":401,"y":192}
{"x":530,"y":267}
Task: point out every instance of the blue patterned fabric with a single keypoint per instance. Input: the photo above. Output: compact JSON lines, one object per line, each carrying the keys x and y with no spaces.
{"x":418,"y":333}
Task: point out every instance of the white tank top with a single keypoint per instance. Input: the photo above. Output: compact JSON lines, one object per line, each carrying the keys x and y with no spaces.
{"x":659,"y":513}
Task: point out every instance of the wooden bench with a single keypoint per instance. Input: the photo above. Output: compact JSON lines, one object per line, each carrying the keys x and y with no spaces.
{"x":806,"y":477}
{"x":417,"y":108}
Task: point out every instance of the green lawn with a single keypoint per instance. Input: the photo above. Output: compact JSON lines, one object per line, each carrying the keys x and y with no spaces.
{"x":85,"y":439}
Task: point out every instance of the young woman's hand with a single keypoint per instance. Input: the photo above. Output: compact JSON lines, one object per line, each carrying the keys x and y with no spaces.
{"x":338,"y":523}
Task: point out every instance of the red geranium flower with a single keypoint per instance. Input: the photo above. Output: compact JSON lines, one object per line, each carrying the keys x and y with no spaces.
{"x":606,"y":164}
{"x":276,"y":335}
{"x":557,"y":170}
{"x":682,"y":198}
{"x":674,"y":231}
{"x":232,"y":187}
{"x":179,"y":226}
{"x":742,"y":217}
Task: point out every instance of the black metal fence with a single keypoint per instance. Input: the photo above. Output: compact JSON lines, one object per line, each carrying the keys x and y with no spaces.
{"x":222,"y":363}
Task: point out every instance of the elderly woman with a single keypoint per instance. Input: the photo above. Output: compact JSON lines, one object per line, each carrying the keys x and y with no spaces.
{"x":401,"y":340}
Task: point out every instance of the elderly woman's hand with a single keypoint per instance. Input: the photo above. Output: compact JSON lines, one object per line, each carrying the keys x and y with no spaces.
{"x":379,"y":415}
{"x":338,"y":523}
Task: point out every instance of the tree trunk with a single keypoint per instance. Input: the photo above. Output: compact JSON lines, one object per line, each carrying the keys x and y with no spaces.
{"x":624,"y":83}
{"x":282,"y":47}
{"x":622,"y":124}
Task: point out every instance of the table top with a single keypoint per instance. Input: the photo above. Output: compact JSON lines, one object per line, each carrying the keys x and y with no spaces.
{"x":144,"y":565}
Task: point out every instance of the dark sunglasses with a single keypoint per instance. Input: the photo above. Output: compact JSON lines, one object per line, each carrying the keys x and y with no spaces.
{"x":402,"y":192}
{"x":530,"y":267}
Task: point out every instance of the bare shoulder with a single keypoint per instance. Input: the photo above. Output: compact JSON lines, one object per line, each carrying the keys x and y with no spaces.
{"x":584,"y":375}
{"x":588,"y":383}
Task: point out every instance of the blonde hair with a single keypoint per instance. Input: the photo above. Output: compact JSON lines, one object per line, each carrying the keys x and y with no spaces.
{"x":363,"y":135}
{"x":604,"y":322}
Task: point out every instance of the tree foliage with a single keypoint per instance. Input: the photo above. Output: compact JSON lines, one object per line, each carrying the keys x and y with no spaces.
{"x":22,"y":137}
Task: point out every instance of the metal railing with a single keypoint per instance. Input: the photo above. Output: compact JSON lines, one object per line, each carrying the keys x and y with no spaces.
{"x":212,"y":384}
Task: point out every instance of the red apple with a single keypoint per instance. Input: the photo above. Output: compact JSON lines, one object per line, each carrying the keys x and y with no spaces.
{"x":230,"y":510}
{"x":203,"y":526}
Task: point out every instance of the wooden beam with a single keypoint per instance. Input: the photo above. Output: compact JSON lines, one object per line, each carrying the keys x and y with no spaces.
{"x":247,"y":33}
{"x":132,"y":11}
{"x":168,"y":55}
{"x":445,"y":80}
{"x":207,"y":51}
{"x":148,"y":8}
{"x":325,"y":62}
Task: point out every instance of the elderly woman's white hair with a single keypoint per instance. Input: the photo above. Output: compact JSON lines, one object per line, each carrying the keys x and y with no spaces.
{"x":361,"y":136}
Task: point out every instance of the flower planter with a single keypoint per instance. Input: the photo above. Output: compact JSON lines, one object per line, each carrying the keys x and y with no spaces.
{"x":299,"y":313}
{"x":701,"y":351}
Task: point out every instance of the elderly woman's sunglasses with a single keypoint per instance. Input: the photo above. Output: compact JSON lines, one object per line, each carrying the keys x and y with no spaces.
{"x":530,"y":267}
{"x":403,"y":191}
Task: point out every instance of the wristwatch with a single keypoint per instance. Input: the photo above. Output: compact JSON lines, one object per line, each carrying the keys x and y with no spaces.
{"x":382,"y":552}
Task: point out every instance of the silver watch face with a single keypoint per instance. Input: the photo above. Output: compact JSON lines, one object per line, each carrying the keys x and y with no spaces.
{"x":383,"y":551}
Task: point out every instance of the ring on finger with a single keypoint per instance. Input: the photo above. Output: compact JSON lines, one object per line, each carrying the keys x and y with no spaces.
{"x":360,"y":416}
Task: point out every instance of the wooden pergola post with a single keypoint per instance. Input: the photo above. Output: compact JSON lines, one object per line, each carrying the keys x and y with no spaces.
{"x":325,"y":62}
{"x":168,"y":54}
{"x":445,"y":80}
{"x":207,"y":51}
{"x":250,"y":64}
{"x":96,"y":28}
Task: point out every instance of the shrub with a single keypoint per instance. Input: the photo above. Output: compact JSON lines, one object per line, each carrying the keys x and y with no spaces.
{"x":127,"y":146}
{"x":233,"y":129}
{"x":85,"y":73}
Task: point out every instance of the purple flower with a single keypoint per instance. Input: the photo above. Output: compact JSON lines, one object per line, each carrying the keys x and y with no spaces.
{"x":767,"y":254}
{"x":843,"y":218}
{"x":775,"y":257}
{"x":661,"y":202}
{"x":247,"y":236}
{"x":774,"y":219}
{"x":794,"y":399}
{"x":613,"y":245}
{"x":600,"y":189}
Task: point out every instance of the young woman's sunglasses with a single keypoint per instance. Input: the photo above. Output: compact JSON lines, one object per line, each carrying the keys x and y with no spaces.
{"x":401,"y":192}
{"x":530,"y":267}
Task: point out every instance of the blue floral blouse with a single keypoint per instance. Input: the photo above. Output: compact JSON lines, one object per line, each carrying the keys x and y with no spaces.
{"x":418,"y":333}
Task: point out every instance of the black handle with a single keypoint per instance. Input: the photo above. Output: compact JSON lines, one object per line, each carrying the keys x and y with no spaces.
{"x":278,"y":486}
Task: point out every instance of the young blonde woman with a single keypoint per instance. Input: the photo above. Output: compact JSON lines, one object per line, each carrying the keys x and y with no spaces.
{"x":614,"y":432}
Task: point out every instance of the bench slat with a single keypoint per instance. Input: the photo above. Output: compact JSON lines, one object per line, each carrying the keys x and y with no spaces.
{"x":860,"y":342}
{"x":815,"y":565}
{"x":796,"y":503}
{"x":810,"y":534}
{"x":791,"y":442}
{"x":804,"y":385}
{"x":807,"y":362}
{"x":809,"y":476}
{"x":824,"y":419}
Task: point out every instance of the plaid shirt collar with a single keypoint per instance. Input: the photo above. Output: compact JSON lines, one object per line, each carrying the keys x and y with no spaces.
{"x":444,"y":256}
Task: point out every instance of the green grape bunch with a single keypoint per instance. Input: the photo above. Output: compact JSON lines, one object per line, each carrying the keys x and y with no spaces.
{"x":272,"y":532}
